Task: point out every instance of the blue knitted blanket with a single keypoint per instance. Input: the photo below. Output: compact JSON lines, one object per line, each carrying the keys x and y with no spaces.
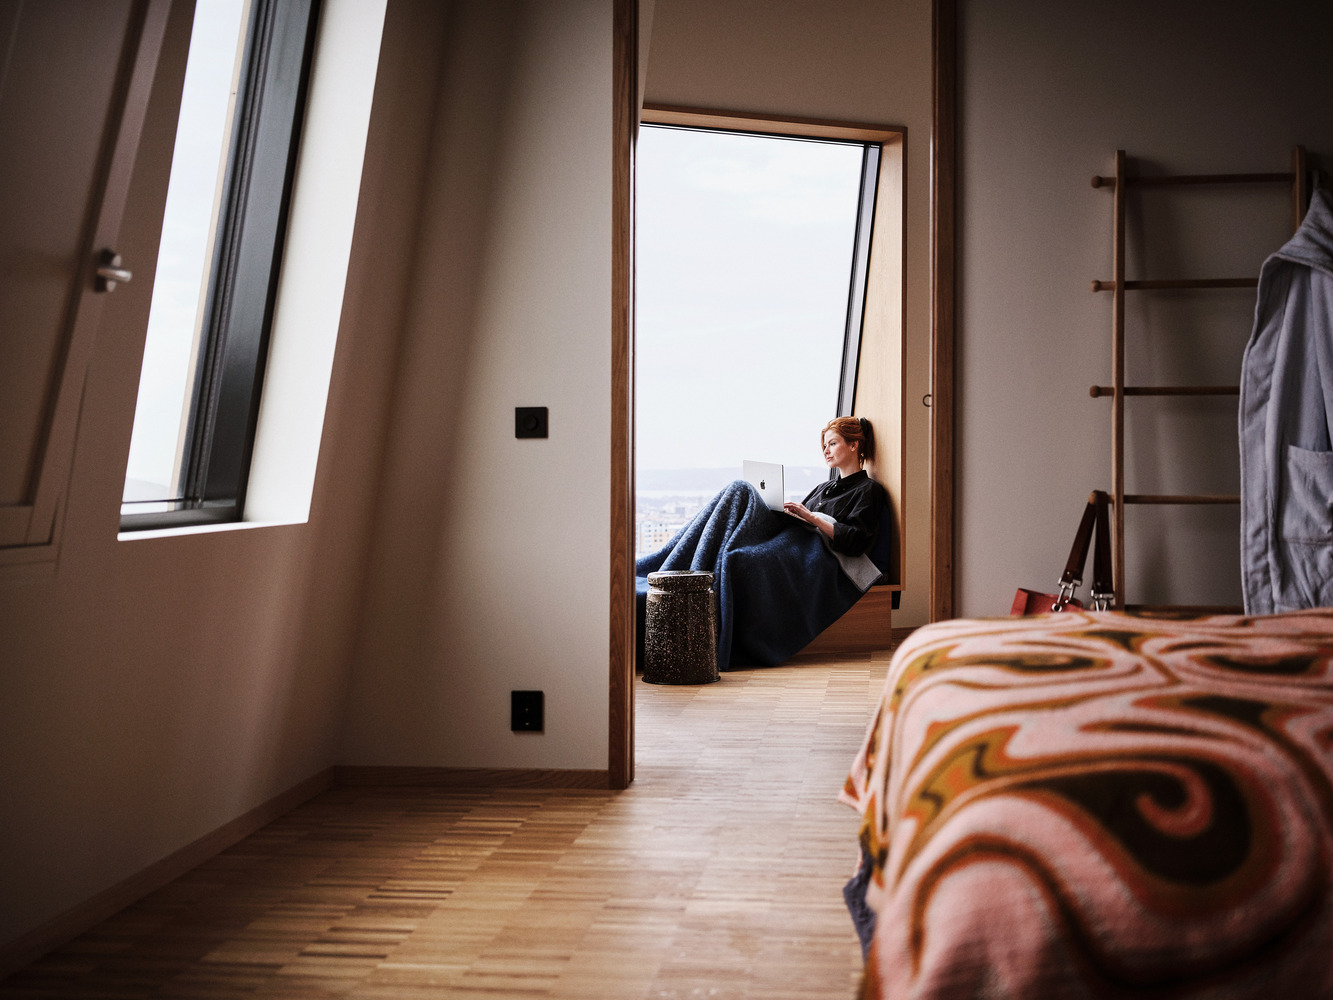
{"x":777,"y":584}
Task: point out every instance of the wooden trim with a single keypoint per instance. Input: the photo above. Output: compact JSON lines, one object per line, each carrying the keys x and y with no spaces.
{"x":1096,"y":391}
{"x":882,"y":354}
{"x":943,"y":160}
{"x":899,"y":634}
{"x":1188,"y":180}
{"x":745,"y":121}
{"x":620,"y":722}
{"x":813,"y":653}
{"x":867,"y":626}
{"x":1166,"y":283}
{"x":1118,"y":384}
{"x":481,"y":778}
{"x":24,"y":950}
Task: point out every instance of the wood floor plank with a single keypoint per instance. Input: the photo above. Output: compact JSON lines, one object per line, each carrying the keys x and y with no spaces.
{"x":717,"y":874}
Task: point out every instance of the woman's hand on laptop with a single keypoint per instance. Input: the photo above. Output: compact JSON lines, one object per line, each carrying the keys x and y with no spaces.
{"x":809,"y":517}
{"x":798,"y":510}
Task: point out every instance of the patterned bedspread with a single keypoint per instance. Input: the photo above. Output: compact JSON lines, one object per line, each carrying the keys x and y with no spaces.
{"x":1100,"y":805}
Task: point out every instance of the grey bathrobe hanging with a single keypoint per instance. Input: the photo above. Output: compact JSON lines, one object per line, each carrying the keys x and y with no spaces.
{"x":1286,"y":409}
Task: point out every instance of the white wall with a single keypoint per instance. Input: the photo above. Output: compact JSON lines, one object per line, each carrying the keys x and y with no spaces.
{"x":1049,"y":90}
{"x":491,"y":558}
{"x":862,"y":61}
{"x":153,"y":690}
{"x":320,"y":226}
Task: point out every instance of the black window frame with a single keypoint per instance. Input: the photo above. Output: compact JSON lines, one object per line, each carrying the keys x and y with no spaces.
{"x":860,"y":276}
{"x":247,"y":257}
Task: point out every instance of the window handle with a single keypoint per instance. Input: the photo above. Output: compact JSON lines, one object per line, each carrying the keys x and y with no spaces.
{"x":109,"y":272}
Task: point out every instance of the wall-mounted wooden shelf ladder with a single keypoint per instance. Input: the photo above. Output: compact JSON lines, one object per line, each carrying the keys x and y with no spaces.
{"x":1118,"y":391}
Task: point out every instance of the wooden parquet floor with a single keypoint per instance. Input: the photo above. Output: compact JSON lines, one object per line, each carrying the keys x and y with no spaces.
{"x":718,"y":874}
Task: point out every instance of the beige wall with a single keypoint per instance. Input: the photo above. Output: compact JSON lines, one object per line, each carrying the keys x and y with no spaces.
{"x":491,"y":554}
{"x":1049,"y":91}
{"x":153,"y":690}
{"x":862,"y":61}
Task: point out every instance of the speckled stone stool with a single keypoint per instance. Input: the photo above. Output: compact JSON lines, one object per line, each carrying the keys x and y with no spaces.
{"x":680,"y":629}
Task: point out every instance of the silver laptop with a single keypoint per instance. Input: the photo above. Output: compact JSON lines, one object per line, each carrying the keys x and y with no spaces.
{"x":767,"y":478}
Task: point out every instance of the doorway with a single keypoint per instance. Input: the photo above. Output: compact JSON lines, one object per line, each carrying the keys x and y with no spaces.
{"x":876,"y":389}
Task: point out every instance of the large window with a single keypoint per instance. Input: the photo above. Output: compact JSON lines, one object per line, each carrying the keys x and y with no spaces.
{"x":218,"y":262}
{"x":752,"y":254}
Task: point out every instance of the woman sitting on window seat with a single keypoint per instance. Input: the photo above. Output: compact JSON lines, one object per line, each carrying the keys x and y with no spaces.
{"x":782,"y":578}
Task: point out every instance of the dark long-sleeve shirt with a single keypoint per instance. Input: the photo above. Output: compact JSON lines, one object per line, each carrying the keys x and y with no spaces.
{"x":854,"y":502}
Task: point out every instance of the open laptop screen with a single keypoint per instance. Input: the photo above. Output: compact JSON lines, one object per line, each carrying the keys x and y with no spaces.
{"x":767,"y":478}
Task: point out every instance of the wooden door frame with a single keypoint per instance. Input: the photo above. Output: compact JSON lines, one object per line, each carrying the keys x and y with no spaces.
{"x":944,"y":90}
{"x":625,"y":124}
{"x":620,"y":741}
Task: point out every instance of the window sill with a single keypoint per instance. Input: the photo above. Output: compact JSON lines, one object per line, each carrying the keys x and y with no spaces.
{"x":198,"y":529}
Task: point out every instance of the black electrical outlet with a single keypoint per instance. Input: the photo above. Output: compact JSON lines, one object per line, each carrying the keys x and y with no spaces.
{"x":530,"y":422}
{"x":526,"y":711}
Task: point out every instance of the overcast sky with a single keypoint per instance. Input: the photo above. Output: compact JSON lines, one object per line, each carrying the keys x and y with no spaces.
{"x":183,"y":256}
{"x":744,"y":257}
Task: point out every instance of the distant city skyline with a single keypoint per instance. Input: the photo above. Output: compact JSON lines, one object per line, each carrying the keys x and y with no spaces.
{"x":667,"y":499}
{"x":743,"y":266}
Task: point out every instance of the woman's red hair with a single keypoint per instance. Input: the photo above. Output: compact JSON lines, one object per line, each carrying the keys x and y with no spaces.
{"x":855,"y":431}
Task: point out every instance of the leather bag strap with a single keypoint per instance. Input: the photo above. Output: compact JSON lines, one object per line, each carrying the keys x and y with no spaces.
{"x":1078,"y":555}
{"x":1103,"y":588}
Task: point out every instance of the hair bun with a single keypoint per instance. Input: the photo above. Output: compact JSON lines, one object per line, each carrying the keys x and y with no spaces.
{"x":867,"y":438}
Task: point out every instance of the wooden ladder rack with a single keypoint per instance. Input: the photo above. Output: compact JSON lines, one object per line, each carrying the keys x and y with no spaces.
{"x":1118,"y":391}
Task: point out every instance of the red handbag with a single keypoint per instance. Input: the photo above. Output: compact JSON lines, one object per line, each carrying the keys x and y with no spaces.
{"x":1032,"y":602}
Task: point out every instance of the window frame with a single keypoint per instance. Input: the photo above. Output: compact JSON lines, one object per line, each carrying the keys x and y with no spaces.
{"x":876,"y":357}
{"x":247,"y":257}
{"x":871,"y":153}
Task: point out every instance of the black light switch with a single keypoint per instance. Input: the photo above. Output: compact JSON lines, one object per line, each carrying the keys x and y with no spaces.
{"x":530,"y":422}
{"x":526,"y":711}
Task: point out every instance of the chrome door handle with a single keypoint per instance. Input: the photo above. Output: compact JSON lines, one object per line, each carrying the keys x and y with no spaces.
{"x":109,"y":272}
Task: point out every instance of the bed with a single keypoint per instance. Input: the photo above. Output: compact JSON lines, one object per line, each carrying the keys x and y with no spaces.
{"x":1101,"y":805}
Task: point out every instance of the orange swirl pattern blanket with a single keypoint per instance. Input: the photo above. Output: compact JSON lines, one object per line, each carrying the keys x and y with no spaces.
{"x":1101,"y":805}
